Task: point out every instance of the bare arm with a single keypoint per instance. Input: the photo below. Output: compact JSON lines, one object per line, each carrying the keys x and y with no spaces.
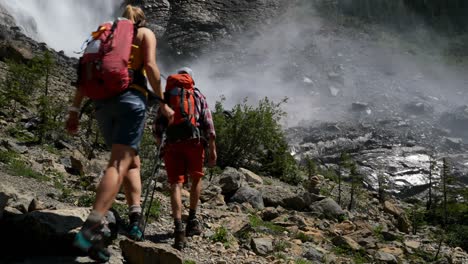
{"x":73,"y":113}
{"x":152,"y":70}
{"x":213,"y":156}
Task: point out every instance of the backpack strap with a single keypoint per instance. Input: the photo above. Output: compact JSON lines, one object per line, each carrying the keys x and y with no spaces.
{"x":199,"y":104}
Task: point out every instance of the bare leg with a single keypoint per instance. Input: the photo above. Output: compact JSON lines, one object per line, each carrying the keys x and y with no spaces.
{"x":176,"y":200}
{"x":132,"y":184}
{"x":121,"y":161}
{"x":195,"y":192}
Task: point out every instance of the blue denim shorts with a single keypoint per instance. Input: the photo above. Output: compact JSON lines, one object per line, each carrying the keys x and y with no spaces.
{"x":121,"y":119}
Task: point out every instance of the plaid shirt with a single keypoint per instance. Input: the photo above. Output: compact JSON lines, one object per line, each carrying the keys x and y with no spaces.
{"x":202,"y":115}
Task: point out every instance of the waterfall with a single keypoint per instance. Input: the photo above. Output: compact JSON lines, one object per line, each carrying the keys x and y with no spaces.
{"x":62,"y":24}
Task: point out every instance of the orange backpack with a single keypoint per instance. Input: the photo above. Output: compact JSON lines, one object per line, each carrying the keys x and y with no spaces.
{"x":180,"y":95}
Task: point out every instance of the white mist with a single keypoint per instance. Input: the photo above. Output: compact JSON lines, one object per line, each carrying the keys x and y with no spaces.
{"x":62,"y":24}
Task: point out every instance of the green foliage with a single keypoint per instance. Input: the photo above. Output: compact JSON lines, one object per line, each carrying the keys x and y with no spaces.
{"x":19,"y":133}
{"x":255,"y":222}
{"x":280,"y":255}
{"x":302,"y":261}
{"x":21,"y":82}
{"x":155,"y":210}
{"x":359,"y":257}
{"x":378,"y":232}
{"x":8,"y":156}
{"x":52,"y":112}
{"x":20,"y":168}
{"x":252,"y":137}
{"x":147,"y":154}
{"x":281,"y":245}
{"x":457,"y":236}
{"x":121,"y":209}
{"x":222,"y":235}
{"x":86,"y":200}
{"x":303,"y":237}
{"x":417,"y":218}
{"x":189,"y":262}
{"x":66,"y":194}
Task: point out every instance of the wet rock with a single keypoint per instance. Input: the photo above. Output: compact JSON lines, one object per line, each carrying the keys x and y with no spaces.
{"x":359,"y":106}
{"x":455,"y":143}
{"x":418,"y":108}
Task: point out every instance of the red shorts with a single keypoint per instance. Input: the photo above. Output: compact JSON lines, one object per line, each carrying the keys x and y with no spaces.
{"x":184,"y":158}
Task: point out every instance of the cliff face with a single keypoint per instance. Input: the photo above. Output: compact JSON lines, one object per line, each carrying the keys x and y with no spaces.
{"x":191,"y":27}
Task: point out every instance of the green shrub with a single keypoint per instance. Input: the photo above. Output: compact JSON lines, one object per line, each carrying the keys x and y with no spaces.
{"x":256,"y":222}
{"x":222,"y":235}
{"x":155,"y":209}
{"x":86,"y":200}
{"x":302,"y":261}
{"x":281,"y":245}
{"x":7,"y":156}
{"x":20,"y":168}
{"x":252,"y":137}
{"x":457,"y":236}
{"x":21,"y":82}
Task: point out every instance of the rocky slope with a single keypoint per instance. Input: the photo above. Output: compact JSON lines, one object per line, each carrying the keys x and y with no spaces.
{"x":46,"y":190}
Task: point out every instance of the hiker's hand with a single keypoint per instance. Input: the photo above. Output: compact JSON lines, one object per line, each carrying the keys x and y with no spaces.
{"x":72,"y":123}
{"x":213,"y":157}
{"x":168,"y":113}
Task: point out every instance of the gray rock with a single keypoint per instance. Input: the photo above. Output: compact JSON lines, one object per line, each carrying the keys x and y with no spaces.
{"x":251,"y":177}
{"x":327,"y":208}
{"x":262,"y":246}
{"x":274,"y":195}
{"x":231,"y":180}
{"x":385,"y":257}
{"x":13,"y":146}
{"x":249,"y":195}
{"x":148,"y":253}
{"x":43,"y":232}
{"x":313,"y":255}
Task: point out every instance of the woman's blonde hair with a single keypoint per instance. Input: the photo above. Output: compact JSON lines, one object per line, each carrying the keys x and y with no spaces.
{"x":135,"y":14}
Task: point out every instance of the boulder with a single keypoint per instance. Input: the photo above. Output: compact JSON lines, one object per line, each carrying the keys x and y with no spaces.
{"x":148,"y":253}
{"x":249,"y":195}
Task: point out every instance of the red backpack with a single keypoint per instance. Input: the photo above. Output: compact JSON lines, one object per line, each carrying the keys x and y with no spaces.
{"x":103,"y":68}
{"x":180,"y":96}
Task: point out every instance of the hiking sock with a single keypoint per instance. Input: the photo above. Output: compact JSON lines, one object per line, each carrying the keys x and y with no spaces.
{"x":192,"y":213}
{"x":178,"y":226}
{"x":134,"y":209}
{"x":134,"y":213}
{"x":94,"y":219}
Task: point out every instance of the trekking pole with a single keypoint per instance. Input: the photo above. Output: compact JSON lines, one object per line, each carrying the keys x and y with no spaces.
{"x":152,"y":181}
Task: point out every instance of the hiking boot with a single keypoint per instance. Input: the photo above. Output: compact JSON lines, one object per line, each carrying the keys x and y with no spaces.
{"x":135,"y":232}
{"x":193,"y":228}
{"x":92,"y":240}
{"x":179,"y":239}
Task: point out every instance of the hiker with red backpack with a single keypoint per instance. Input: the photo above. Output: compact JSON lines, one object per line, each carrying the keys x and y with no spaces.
{"x":112,"y":72}
{"x":184,"y":152}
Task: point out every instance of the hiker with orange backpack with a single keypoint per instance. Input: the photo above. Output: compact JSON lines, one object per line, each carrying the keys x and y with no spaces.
{"x":112,"y":72}
{"x":184,"y":151}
